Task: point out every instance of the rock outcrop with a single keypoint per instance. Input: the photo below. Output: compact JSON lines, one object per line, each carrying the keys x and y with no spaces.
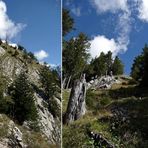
{"x":15,"y":136}
{"x":99,"y":140}
{"x":49,"y":125}
{"x":76,"y":105}
{"x":12,"y":62}
{"x":104,"y":82}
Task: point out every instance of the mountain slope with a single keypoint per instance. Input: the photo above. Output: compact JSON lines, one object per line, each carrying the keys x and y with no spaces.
{"x":12,"y":62}
{"x":118,"y":114}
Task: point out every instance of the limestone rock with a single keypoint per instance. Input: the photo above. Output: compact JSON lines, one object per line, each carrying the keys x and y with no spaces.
{"x":104,"y":82}
{"x":15,"y":136}
{"x":2,"y":51}
{"x":49,"y":125}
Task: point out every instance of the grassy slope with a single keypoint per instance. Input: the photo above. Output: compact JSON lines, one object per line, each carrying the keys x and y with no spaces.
{"x":119,"y":114}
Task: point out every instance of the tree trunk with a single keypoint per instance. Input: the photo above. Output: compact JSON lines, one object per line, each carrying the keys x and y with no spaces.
{"x":76,"y":105}
{"x":68,"y":82}
{"x":63,"y":84}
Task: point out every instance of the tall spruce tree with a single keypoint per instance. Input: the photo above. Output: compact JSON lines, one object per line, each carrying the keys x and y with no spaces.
{"x":75,"y":56}
{"x":48,"y":81}
{"x":139,"y":70}
{"x":67,"y":22}
{"x":117,"y":66}
{"x":24,"y":103}
{"x":50,"y":85}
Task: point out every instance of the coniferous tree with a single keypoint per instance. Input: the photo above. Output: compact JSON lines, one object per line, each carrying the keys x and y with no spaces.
{"x":103,"y":65}
{"x":139,"y":70}
{"x":75,"y":56}
{"x":100,"y":65}
{"x":67,"y":22}
{"x":24,"y":103}
{"x":50,"y":85}
{"x":48,"y":81}
{"x":144,"y":81}
{"x":5,"y":101}
{"x":109,"y":61}
{"x":117,"y":66}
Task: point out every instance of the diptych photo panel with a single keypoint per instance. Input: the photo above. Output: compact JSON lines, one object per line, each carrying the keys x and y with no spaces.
{"x":30,"y":74}
{"x":73,"y":74}
{"x":105,"y":74}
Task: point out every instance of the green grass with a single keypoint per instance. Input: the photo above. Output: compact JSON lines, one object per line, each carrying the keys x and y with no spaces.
{"x":131,"y":133}
{"x":3,"y":126}
{"x":65,"y":97}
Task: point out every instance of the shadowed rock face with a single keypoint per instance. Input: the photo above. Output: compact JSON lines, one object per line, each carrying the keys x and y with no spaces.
{"x":76,"y":105}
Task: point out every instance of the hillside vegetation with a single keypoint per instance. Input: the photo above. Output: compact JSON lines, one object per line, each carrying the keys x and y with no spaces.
{"x":30,"y":97}
{"x":119,"y":114}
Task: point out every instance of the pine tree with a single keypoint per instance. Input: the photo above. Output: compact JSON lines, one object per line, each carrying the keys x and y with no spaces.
{"x":117,"y":66}
{"x":48,"y":81}
{"x":50,"y":86}
{"x":67,"y":22}
{"x":75,"y":56}
{"x":144,"y":81}
{"x":5,"y":101}
{"x":24,"y":103}
{"x":139,"y":70}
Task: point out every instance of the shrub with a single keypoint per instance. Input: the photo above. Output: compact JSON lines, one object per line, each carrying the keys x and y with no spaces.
{"x":105,"y":101}
{"x":132,"y":82}
{"x":91,"y":99}
{"x":74,"y":136}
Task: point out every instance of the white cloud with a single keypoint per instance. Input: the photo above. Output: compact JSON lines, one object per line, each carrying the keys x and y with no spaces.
{"x":101,"y":43}
{"x":40,"y":55}
{"x":143,"y":10}
{"x":112,"y":6}
{"x":76,"y":11}
{"x":8,"y":29}
{"x":119,"y":44}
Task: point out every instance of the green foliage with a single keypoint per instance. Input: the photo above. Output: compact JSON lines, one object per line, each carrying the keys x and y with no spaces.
{"x":22,"y":94}
{"x":54,"y":108}
{"x":21,"y":47}
{"x":31,"y":55}
{"x":67,"y":22}
{"x":15,"y":53}
{"x":100,"y":65}
{"x":1,"y":42}
{"x":75,"y":56}
{"x":105,"y":101}
{"x":91,"y":100}
{"x":74,"y":136}
{"x":117,"y":66}
{"x":103,"y":65}
{"x":50,"y":85}
{"x":139,"y":69}
{"x":48,"y":81}
{"x":95,"y":102}
{"x":5,"y":101}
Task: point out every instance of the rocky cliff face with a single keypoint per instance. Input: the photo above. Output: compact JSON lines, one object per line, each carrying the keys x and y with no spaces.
{"x":12,"y":62}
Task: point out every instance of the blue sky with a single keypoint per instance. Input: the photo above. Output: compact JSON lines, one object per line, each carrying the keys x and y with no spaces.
{"x":119,"y":25}
{"x":40,"y":28}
